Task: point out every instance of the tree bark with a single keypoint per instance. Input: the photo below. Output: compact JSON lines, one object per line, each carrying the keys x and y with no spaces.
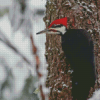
{"x":86,"y":15}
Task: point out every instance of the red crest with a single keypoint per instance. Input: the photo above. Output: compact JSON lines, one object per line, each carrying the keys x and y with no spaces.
{"x":62,"y":21}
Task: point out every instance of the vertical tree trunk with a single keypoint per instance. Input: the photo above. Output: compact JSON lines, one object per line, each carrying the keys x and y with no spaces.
{"x":86,"y":15}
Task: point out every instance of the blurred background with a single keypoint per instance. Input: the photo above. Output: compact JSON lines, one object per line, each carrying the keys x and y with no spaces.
{"x":19,"y":19}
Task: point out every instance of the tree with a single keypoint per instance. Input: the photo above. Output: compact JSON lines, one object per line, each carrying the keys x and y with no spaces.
{"x":86,"y":15}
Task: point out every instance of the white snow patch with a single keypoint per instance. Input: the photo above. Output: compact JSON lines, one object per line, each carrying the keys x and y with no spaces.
{"x":5,"y":3}
{"x":96,"y":95}
{"x":5,"y":26}
{"x":36,"y":4}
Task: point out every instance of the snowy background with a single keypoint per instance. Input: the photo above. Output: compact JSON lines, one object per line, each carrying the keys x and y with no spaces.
{"x":18,"y":78}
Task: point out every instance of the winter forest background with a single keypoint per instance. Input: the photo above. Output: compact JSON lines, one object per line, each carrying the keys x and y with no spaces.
{"x":19,"y":19}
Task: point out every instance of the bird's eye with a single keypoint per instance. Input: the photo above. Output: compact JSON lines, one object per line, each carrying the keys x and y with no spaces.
{"x":55,"y":25}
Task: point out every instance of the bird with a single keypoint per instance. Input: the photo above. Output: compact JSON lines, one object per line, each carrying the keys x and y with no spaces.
{"x":78,"y":48}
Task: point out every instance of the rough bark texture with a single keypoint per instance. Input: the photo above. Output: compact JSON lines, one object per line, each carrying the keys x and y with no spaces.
{"x":86,"y":14}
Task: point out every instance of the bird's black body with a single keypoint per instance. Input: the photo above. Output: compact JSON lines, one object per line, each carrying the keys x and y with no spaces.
{"x":78,"y":48}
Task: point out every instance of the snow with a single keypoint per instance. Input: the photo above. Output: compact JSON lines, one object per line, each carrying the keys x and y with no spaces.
{"x":96,"y":95}
{"x":37,"y":4}
{"x":20,"y":75}
{"x":5,"y":3}
{"x":23,"y":45}
{"x":92,"y":5}
{"x":5,"y":26}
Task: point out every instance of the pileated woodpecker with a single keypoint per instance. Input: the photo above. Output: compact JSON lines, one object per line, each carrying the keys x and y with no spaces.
{"x":78,"y":47}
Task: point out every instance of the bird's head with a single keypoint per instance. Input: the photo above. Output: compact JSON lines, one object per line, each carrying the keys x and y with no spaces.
{"x":58,"y":26}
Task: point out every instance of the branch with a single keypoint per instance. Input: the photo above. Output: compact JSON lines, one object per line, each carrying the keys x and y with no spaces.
{"x":34,"y":50}
{"x":4,"y":39}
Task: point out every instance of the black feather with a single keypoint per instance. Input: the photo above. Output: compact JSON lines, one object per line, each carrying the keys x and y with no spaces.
{"x":78,"y":47}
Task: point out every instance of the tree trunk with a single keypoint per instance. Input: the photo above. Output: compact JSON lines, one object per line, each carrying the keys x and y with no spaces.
{"x":86,"y":15}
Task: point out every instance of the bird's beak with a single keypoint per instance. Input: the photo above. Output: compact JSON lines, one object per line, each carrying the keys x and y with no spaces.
{"x":49,"y":31}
